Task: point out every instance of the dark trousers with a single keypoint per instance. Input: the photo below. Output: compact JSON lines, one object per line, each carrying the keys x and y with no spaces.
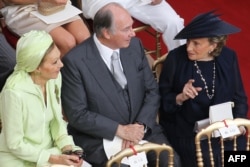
{"x":160,"y":138}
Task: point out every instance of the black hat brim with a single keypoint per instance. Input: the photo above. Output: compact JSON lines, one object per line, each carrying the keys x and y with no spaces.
{"x":206,"y":25}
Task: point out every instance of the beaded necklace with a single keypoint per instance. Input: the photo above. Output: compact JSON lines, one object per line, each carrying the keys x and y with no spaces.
{"x":210,"y":96}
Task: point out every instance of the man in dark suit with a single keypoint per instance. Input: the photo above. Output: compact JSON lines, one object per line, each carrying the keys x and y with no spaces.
{"x":95,"y":104}
{"x":7,"y":60}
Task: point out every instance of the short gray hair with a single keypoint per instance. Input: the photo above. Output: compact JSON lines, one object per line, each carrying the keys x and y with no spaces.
{"x":104,"y":19}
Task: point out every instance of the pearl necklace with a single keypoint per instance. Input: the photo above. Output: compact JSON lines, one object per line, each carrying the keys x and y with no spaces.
{"x":210,"y":96}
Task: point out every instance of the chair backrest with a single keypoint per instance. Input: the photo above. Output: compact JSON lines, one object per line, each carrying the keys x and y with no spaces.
{"x":140,"y":27}
{"x":157,"y":66}
{"x":157,"y":148}
{"x":208,"y":131}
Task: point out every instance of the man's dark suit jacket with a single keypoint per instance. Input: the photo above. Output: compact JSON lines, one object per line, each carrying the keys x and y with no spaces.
{"x":90,"y":98}
{"x":7,"y":60}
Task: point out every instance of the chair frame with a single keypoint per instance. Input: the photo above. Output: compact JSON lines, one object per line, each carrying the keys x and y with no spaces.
{"x":208,"y":133}
{"x":158,"y":148}
{"x":147,"y":28}
{"x":157,"y":66}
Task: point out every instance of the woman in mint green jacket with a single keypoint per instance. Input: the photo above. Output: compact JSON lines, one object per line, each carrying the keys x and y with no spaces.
{"x":33,"y":131}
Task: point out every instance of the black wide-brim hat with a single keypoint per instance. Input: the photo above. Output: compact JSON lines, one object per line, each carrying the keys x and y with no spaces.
{"x":206,"y":25}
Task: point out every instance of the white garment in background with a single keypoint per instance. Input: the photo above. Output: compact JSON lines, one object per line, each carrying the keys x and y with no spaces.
{"x":90,"y":7}
{"x":161,"y":17}
{"x":68,"y":12}
{"x":20,"y":20}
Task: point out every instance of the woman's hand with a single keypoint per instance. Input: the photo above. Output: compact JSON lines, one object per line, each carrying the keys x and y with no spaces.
{"x":67,"y":147}
{"x":242,"y":130}
{"x":66,"y":160}
{"x":189,"y":91}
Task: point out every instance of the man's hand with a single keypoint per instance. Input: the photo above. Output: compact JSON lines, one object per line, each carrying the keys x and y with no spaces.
{"x":127,"y":144}
{"x":131,"y":132}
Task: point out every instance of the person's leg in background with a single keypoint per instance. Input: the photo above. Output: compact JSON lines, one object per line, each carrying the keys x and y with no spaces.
{"x":7,"y":60}
{"x":162,"y":18}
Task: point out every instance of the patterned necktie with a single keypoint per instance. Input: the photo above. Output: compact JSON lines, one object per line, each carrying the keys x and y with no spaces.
{"x":117,"y":70}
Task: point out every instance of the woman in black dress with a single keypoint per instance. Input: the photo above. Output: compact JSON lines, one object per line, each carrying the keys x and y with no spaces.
{"x":199,"y":74}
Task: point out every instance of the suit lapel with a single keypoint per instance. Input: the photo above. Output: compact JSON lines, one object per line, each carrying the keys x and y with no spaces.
{"x":103,"y":78}
{"x":130,"y":70}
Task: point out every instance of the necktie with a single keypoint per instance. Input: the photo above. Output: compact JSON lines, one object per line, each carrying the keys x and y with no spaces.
{"x":117,"y":70}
